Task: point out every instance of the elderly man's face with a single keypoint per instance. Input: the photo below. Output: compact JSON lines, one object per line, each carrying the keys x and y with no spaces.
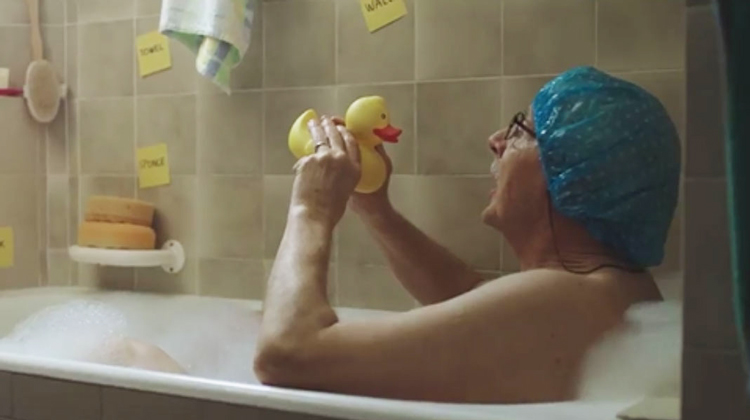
{"x":517,"y":171}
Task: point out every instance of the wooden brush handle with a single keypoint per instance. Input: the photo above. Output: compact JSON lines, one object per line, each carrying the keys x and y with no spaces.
{"x":37,"y":49}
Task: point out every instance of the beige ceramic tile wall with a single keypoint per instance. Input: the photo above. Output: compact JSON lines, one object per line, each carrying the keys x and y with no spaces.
{"x":453,"y":71}
{"x":28,"y":148}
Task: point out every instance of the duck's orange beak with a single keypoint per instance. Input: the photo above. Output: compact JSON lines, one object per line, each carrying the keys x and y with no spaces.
{"x":388,"y":133}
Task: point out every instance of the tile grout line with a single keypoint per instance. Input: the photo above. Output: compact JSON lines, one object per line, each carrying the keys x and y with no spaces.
{"x":134,"y":66}
{"x":502,"y":38}
{"x":415,"y":92}
{"x":333,"y":278}
{"x":596,"y":33}
{"x":42,"y":236}
{"x":333,"y":275}
{"x":197,"y":224}
{"x":66,"y":56}
{"x":501,"y":256}
{"x":336,"y":18}
{"x":382,"y":84}
{"x":79,"y":165}
{"x":105,"y":21}
{"x":199,"y":171}
{"x":26,"y":25}
{"x":199,"y":104}
{"x":264,"y":205}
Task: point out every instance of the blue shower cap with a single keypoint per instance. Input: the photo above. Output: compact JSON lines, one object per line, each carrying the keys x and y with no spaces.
{"x":611,"y":157}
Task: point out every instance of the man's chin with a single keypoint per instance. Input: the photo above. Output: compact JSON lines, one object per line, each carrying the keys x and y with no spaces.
{"x":489,"y":217}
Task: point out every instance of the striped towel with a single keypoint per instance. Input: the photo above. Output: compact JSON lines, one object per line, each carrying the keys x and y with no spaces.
{"x":217,"y":31}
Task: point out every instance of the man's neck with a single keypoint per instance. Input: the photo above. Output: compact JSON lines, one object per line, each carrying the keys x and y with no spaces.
{"x":558,"y":243}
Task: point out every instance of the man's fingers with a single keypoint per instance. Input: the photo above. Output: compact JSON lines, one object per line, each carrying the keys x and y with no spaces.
{"x":334,"y":136}
{"x":299,"y":164}
{"x":352,"y":148}
{"x":320,"y":140}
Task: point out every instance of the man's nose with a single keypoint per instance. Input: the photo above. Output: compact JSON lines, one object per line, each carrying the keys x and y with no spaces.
{"x":497,"y":143}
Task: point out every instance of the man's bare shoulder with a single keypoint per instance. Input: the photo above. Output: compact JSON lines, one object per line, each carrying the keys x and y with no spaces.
{"x":620,"y":288}
{"x":541,"y":275}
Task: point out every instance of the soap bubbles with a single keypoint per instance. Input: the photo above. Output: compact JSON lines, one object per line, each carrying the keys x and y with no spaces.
{"x":642,"y":357}
{"x":73,"y":331}
{"x":209,"y":338}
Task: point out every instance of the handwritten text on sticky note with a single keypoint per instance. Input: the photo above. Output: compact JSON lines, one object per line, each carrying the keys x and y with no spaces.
{"x":153,"y":53}
{"x":379,"y":13}
{"x":153,"y":166}
{"x":6,"y":247}
{"x":4,"y":78}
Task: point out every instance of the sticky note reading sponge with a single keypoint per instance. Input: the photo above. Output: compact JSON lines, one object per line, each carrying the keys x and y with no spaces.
{"x":153,"y":53}
{"x":153,"y":166}
{"x":379,"y":13}
{"x":6,"y":247}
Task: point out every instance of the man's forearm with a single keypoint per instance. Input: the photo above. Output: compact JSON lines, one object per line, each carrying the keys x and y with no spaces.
{"x":428,"y":270}
{"x":296,"y":303}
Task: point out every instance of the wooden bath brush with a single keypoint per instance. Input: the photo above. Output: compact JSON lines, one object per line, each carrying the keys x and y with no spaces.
{"x":43,"y":91}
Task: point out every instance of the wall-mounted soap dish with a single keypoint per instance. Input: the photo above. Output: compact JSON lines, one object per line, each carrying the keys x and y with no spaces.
{"x":171,"y":257}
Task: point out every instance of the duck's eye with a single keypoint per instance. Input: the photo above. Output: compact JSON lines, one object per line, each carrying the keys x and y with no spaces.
{"x":382,"y":116}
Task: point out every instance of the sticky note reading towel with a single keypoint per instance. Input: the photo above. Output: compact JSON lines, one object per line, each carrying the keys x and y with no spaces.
{"x":379,"y":13}
{"x":6,"y":247}
{"x":153,"y":53}
{"x":153,"y":166}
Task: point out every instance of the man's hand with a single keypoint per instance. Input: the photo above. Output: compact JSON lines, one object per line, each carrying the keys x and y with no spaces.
{"x":326,"y":179}
{"x":376,"y":203}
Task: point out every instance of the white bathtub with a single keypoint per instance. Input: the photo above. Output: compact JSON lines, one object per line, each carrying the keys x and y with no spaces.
{"x":17,"y":305}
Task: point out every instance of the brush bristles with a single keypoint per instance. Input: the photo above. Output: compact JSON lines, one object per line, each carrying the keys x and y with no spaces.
{"x":42,"y":91}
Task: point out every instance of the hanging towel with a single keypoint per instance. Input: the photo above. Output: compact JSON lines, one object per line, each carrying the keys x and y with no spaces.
{"x":217,"y":31}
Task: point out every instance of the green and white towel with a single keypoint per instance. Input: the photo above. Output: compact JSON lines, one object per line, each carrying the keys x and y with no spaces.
{"x":217,"y":31}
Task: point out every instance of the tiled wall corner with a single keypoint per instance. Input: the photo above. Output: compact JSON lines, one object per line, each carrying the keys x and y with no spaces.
{"x":713,"y":382}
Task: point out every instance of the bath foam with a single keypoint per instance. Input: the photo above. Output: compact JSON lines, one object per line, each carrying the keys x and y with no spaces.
{"x":78,"y":330}
{"x":643,"y":357}
{"x":207,"y":338}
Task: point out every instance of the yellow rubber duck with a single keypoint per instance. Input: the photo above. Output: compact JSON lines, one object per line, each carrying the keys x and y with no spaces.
{"x":369,"y":122}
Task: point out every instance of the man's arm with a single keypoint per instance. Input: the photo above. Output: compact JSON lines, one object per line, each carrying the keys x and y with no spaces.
{"x":296,"y":303}
{"x":429,"y":271}
{"x":519,"y":340}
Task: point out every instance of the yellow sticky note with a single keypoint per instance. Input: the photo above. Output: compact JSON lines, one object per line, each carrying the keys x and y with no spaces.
{"x":379,"y":13}
{"x":153,"y":166}
{"x":4,"y":78}
{"x":153,"y":53}
{"x":6,"y":247}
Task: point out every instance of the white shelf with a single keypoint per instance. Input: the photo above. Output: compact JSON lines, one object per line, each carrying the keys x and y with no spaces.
{"x":171,"y":257}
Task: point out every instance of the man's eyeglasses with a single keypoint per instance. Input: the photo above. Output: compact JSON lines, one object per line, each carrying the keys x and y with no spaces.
{"x":519,"y":121}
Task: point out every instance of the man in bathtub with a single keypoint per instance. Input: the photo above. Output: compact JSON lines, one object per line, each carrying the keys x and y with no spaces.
{"x":586,"y":187}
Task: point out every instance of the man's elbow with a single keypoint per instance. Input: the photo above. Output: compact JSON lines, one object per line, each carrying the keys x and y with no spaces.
{"x":280,"y":364}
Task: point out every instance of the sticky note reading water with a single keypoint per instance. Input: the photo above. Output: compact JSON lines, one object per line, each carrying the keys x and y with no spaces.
{"x":6,"y":247}
{"x":153,"y":166}
{"x":379,"y":13}
{"x":4,"y":78}
{"x":153,"y":53}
